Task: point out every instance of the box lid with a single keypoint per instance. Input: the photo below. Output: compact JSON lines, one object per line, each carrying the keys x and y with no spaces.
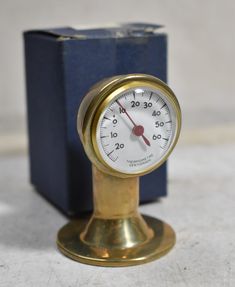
{"x":123,"y":30}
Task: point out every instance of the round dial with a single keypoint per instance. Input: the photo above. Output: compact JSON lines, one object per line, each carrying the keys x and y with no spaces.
{"x":136,"y":129}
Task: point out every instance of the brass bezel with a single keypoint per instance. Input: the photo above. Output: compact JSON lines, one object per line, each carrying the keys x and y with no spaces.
{"x":100,"y":97}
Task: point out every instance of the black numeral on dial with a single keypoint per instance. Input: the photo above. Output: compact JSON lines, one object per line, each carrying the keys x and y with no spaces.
{"x":154,"y":114}
{"x":135,"y":104}
{"x":119,"y":146}
{"x":121,"y":110}
{"x":147,"y":105}
{"x":158,"y":137}
{"x":159,"y":124}
{"x":113,"y":135}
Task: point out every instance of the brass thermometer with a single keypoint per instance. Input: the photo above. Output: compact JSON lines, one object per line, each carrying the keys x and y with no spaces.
{"x":128,"y":125}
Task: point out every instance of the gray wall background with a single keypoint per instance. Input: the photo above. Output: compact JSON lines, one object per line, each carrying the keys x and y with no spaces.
{"x":201,"y":51}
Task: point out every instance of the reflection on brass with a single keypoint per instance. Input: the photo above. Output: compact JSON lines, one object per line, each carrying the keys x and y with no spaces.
{"x":71,"y":245}
{"x":115,"y":221}
{"x":116,"y":234}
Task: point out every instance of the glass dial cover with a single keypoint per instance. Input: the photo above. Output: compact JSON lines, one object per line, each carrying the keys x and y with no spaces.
{"x":136,"y":130}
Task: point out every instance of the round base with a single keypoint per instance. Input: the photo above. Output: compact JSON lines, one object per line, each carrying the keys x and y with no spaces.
{"x":70,"y":244}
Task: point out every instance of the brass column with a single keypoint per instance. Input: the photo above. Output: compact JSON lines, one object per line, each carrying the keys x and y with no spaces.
{"x":116,"y":222}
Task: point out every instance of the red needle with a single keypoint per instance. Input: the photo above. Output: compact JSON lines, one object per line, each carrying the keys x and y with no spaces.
{"x":137,"y":130}
{"x":146,"y":140}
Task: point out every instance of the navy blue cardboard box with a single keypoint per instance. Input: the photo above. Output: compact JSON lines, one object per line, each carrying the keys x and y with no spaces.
{"x":61,"y":65}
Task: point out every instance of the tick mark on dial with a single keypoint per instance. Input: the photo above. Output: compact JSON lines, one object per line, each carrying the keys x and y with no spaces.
{"x":110,"y":153}
{"x":168,"y":122}
{"x":165,"y":139}
{"x":150,"y":96}
{"x":163,"y":106}
{"x":134,"y":95}
{"x":106,"y":118}
{"x":103,"y":137}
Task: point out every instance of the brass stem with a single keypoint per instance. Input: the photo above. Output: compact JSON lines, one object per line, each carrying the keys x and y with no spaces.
{"x":114,"y":197}
{"x":116,"y":222}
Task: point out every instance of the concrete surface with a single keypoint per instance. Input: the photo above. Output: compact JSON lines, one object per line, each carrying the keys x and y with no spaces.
{"x":200,"y":207}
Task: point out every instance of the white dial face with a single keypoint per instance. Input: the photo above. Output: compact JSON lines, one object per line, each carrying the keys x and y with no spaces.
{"x":136,"y":130}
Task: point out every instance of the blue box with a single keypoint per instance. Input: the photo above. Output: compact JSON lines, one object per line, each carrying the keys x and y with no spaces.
{"x":61,"y":65}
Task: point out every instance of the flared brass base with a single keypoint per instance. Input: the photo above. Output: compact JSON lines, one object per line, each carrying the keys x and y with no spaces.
{"x":72,"y":242}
